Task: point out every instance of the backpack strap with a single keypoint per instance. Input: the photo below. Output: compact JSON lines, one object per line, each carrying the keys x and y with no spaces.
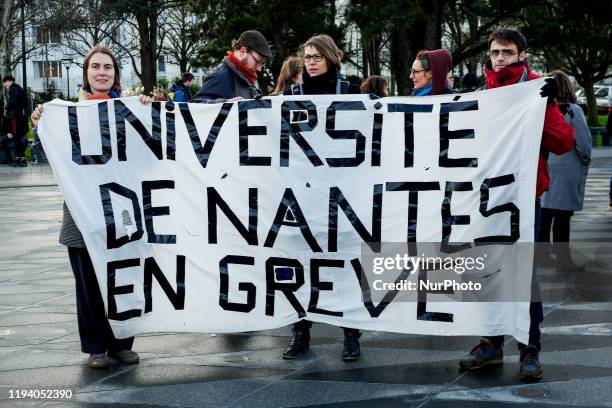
{"x":297,"y":89}
{"x":342,"y":86}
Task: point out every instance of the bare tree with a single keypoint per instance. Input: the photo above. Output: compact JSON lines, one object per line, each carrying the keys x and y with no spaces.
{"x":182,"y":36}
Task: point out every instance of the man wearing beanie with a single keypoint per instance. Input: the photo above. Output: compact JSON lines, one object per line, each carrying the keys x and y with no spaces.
{"x":235,"y":79}
{"x":507,"y":66}
{"x":430,"y":72}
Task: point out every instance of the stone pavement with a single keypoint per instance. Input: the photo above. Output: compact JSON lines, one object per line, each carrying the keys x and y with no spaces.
{"x":39,"y":346}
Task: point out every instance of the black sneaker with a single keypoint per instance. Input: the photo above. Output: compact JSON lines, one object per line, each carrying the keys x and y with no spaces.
{"x":531,"y":369}
{"x":483,"y":354}
{"x":351,"y":350}
{"x":23,"y":162}
{"x":298,"y":345}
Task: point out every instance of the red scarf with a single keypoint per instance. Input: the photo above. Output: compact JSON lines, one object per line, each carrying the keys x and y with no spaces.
{"x":509,"y":75}
{"x":250,"y":75}
{"x":98,"y":97}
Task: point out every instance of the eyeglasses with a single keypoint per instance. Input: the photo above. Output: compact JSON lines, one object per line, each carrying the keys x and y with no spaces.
{"x":413,"y":72}
{"x":506,"y":53}
{"x":257,"y":62}
{"x":314,"y":57}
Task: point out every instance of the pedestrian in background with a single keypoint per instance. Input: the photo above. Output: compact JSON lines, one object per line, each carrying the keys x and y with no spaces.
{"x":568,"y":173}
{"x":290,"y":73}
{"x":15,"y":123}
{"x":375,"y":84}
{"x":469,"y":82}
{"x":179,"y":90}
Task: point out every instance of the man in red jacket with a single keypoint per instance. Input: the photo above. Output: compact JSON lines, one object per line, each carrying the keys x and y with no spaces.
{"x":507,"y":66}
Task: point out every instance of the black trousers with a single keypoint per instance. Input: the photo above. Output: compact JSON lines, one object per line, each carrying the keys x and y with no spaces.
{"x":21,"y":144}
{"x":94,"y":330}
{"x":559,"y":220}
{"x":306,"y":325}
{"x":536,"y":312}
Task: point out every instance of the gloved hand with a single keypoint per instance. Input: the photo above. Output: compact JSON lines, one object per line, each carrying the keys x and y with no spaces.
{"x":549,"y":90}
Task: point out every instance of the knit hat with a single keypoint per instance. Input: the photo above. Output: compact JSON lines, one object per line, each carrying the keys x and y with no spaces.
{"x":440,"y":62}
{"x":255,"y":40}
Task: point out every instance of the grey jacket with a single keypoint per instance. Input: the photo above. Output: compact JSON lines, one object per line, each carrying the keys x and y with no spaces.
{"x":225,"y":83}
{"x":568,"y":171}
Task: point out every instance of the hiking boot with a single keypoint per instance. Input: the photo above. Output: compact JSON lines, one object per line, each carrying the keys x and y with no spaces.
{"x":483,"y":354}
{"x":98,"y":361}
{"x":531,"y":369}
{"x":298,"y":345}
{"x":125,"y":356}
{"x":351,"y":350}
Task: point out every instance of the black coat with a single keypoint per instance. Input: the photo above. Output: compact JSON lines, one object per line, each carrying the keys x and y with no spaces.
{"x":324,"y":84}
{"x":15,"y":121}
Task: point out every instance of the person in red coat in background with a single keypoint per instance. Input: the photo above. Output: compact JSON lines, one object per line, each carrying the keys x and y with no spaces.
{"x":507,"y":66}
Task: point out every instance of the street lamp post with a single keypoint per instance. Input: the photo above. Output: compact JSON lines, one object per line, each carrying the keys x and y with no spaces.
{"x":67,"y":62}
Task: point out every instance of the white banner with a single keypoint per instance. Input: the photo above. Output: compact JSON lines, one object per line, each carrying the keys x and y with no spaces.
{"x":251,"y":215}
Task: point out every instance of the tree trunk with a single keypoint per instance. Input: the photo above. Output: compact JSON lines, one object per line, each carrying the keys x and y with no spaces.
{"x":425,"y":31}
{"x":592,"y":118}
{"x":433,"y":23}
{"x":8,"y":20}
{"x":401,"y":53}
{"x":147,"y":30}
{"x":365,"y":58}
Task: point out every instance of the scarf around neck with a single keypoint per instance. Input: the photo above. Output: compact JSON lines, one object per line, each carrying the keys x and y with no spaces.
{"x":321,"y":84}
{"x":248,"y":74}
{"x":85,"y":95}
{"x":426,"y":90}
{"x":509,"y":75}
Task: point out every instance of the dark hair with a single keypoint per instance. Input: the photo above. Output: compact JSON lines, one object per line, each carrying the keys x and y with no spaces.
{"x":469,"y":80}
{"x":187,"y":76}
{"x":422,"y":56}
{"x":8,"y":78}
{"x":375,"y":84}
{"x":292,"y":66}
{"x":327,"y":47}
{"x":101,"y":50}
{"x":507,"y":36}
{"x":565,"y":90}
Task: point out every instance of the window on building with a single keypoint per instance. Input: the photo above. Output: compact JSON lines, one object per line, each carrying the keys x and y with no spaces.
{"x":46,"y":35}
{"x":161,"y":64}
{"x":47,"y":69}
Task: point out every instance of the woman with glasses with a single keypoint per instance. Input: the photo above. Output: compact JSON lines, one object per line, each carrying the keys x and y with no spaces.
{"x":430,"y":73}
{"x":321,"y":75}
{"x":321,"y":72}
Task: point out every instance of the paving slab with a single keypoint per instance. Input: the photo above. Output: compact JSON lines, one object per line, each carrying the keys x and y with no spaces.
{"x":39,"y":342}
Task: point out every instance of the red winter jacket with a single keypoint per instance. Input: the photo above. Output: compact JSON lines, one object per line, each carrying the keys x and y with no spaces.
{"x":558,"y":135}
